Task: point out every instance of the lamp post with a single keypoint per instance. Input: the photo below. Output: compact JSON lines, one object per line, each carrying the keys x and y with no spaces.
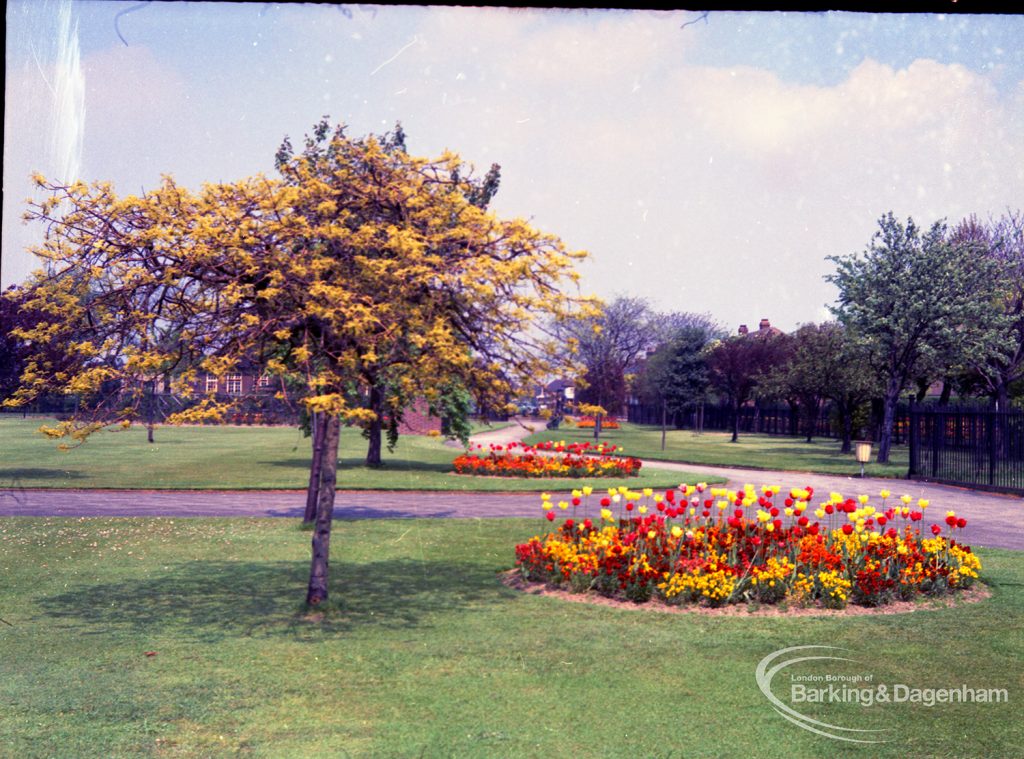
{"x":863,"y":454}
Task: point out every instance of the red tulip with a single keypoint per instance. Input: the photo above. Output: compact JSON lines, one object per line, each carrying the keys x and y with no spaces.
{"x":774,"y":511}
{"x":882,"y":521}
{"x":550,"y":516}
{"x":847,"y":529}
{"x":829,"y":509}
{"x":961,"y":523}
{"x":575,"y":501}
{"x":936,"y":529}
{"x":606,"y":502}
{"x":789,"y":502}
{"x":629,"y":506}
{"x":803,"y":521}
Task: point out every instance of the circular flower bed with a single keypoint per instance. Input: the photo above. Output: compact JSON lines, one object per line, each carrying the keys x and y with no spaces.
{"x":547,"y":460}
{"x":742,"y":547}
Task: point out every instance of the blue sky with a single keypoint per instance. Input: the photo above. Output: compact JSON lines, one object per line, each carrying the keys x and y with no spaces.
{"x":710,"y":167}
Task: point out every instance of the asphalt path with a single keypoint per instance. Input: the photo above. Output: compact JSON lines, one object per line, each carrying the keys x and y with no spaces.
{"x":994,"y":520}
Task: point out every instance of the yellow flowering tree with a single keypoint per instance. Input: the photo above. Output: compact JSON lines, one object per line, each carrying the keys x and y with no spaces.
{"x":390,"y":264}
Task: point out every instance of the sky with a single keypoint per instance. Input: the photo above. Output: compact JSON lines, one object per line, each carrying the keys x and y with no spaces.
{"x":709,"y":164}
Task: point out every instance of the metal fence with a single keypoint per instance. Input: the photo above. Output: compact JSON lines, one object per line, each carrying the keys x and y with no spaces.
{"x":970,"y":447}
{"x":766,"y":420}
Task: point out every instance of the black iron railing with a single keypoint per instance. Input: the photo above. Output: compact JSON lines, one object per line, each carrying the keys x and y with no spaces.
{"x":970,"y":447}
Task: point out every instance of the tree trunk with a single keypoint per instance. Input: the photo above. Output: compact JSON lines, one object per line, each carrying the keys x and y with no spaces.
{"x":892,"y":395}
{"x":846,"y":423}
{"x":317,"y":592}
{"x":735,"y":421}
{"x":947,"y":391}
{"x":373,"y":451}
{"x":150,"y":411}
{"x":663,"y":424}
{"x":922,"y":390}
{"x":597,"y":426}
{"x":315,"y":468}
{"x":812,"y":421}
{"x":1002,"y":397}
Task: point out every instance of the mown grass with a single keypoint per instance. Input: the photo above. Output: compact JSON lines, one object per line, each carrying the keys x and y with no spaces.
{"x":426,"y":654}
{"x":750,"y":451}
{"x":241,"y":458}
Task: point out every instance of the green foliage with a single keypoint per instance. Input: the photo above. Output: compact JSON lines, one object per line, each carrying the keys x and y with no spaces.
{"x":917,"y":300}
{"x":454,"y":406}
{"x":676,"y":374}
{"x":1001,"y":241}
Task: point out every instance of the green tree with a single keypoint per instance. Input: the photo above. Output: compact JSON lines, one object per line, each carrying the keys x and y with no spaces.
{"x":1002,"y":241}
{"x":912,"y":296}
{"x":675,"y":376}
{"x":317,"y":280}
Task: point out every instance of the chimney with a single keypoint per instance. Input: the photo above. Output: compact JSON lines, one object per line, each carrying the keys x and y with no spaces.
{"x":743,"y":329}
{"x":765,"y":324}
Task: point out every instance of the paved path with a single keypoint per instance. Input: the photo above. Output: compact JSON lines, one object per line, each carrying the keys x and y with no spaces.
{"x":993,"y":520}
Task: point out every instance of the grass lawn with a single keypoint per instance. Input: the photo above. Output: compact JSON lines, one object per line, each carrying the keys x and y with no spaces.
{"x":244,"y":458}
{"x":427,"y":655}
{"x":751,"y":451}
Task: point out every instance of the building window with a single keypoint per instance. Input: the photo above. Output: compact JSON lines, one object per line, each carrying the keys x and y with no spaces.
{"x":233,"y":384}
{"x":263,"y":383}
{"x":211,"y":384}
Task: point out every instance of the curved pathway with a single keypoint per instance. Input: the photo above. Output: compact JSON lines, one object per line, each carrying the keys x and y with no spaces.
{"x":994,"y":520}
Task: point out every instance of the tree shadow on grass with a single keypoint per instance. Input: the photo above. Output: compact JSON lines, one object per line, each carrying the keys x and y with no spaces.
{"x":390,"y":465}
{"x":209,"y":601}
{"x":352,"y":513}
{"x":13,"y":477}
